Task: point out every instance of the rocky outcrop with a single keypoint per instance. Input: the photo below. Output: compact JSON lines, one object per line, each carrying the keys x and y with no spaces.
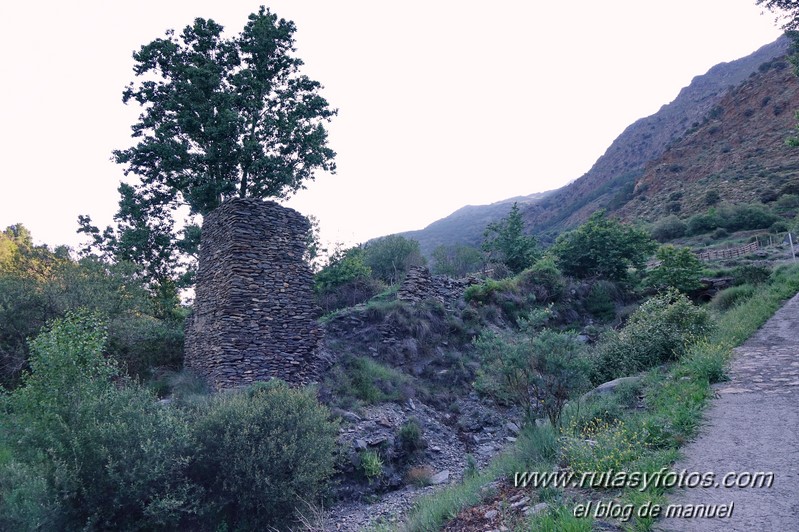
{"x":254,"y":312}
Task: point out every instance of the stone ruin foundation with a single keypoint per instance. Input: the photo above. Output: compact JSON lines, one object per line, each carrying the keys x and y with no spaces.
{"x":254,"y":310}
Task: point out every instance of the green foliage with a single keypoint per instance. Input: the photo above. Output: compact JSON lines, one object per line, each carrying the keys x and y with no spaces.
{"x":661,"y":330}
{"x":260,"y":452}
{"x":391,"y":257}
{"x":225,"y":116}
{"x":668,"y":228}
{"x":506,"y":242}
{"x":602,"y":446}
{"x":367,"y":380}
{"x":410,"y":437}
{"x":729,"y":297}
{"x":41,"y":285}
{"x":541,"y":372}
{"x":345,"y":280}
{"x":601,"y":300}
{"x":602,"y":248}
{"x":456,"y":261}
{"x":754,"y":274}
{"x":371,"y":465}
{"x":731,"y":218}
{"x":89,"y":453}
{"x":679,"y":268}
{"x":712,"y":197}
{"x":544,"y":279}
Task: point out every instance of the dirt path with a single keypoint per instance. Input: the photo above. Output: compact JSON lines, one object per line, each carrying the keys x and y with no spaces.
{"x":753,"y":426}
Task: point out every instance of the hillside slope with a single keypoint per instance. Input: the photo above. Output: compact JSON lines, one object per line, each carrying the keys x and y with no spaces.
{"x":738,"y":152}
{"x":610,"y":182}
{"x":467,"y":224}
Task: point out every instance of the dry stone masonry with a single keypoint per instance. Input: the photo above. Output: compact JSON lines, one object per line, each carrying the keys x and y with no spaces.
{"x":419,"y":285}
{"x":254,"y":310}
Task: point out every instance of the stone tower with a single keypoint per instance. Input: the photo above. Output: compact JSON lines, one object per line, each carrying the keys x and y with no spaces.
{"x":254,"y":310}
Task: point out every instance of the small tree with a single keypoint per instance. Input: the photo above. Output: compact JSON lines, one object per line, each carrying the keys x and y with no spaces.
{"x":505,"y":240}
{"x":602,"y":248}
{"x":540,"y":372}
{"x":391,"y":257}
{"x":679,"y":268}
{"x":457,"y":260}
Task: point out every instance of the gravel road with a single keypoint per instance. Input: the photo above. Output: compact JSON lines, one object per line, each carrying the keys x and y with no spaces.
{"x":752,"y":426}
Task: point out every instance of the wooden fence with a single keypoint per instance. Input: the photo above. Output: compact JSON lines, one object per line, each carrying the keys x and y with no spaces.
{"x":729,"y":253}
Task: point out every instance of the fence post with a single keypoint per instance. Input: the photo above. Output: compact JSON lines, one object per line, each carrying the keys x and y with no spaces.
{"x":790,"y":240}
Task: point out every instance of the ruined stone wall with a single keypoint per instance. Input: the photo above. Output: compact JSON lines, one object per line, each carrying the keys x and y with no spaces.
{"x":419,"y":284}
{"x":254,"y":311}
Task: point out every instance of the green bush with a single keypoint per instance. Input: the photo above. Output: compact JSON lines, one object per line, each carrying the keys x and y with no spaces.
{"x":603,"y":248}
{"x":544,"y":279}
{"x":668,"y":228}
{"x":371,"y":465}
{"x":410,"y":437}
{"x":679,"y":268}
{"x":601,"y":300}
{"x":729,"y":297}
{"x":88,"y":452}
{"x":366,"y":380}
{"x":754,"y":274}
{"x":659,"y":331}
{"x":539,"y":373}
{"x":261,"y":452}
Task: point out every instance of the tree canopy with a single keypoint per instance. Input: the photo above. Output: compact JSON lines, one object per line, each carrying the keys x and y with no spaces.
{"x":221,"y":117}
{"x":225,"y":117}
{"x":505,"y":241}
{"x":602,"y":248}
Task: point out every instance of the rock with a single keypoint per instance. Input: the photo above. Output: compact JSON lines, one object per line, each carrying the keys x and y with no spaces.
{"x":440,"y":478}
{"x":513,"y":427}
{"x":411,"y":404}
{"x":360,"y":445}
{"x":537,"y":509}
{"x":610,"y":386}
{"x":510,"y":439}
{"x":491,"y":514}
{"x":352,"y":417}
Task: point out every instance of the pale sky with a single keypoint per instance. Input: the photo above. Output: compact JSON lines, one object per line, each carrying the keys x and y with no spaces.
{"x":441,"y":103}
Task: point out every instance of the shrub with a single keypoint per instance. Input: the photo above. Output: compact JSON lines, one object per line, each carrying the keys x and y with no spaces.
{"x":91,"y":453}
{"x":539,"y":373}
{"x":712,"y":197}
{"x":729,"y":297}
{"x":602,"y":446}
{"x":602,"y":248}
{"x":659,"y":331}
{"x":260,"y":452}
{"x":600,"y":300}
{"x":668,"y":228}
{"x":679,"y":268}
{"x":420,"y":475}
{"x":544,"y":279}
{"x":410,"y":437}
{"x":367,"y":380}
{"x":390,"y":257}
{"x":371,"y":465}
{"x":753,"y":274}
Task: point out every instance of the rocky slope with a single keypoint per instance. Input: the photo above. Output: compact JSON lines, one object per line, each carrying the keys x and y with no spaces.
{"x":611,"y":181}
{"x":738,"y":151}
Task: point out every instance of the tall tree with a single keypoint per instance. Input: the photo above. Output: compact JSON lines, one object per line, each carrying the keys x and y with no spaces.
{"x":226,"y":117}
{"x":221,"y":117}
